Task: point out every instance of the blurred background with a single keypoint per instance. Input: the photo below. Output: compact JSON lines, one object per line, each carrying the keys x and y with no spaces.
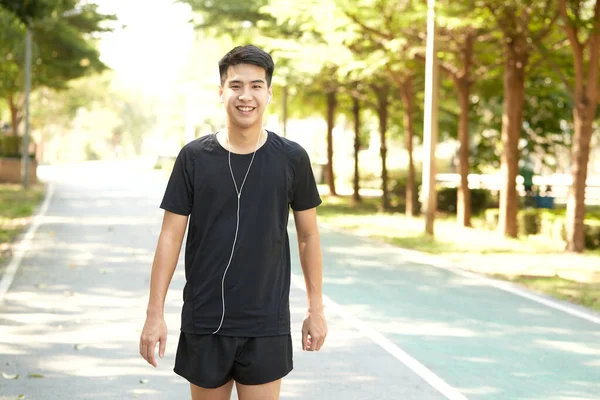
{"x":480,"y":115}
{"x":516,"y":112}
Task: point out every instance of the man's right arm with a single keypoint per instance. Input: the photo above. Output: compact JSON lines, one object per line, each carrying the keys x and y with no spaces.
{"x":163,"y":267}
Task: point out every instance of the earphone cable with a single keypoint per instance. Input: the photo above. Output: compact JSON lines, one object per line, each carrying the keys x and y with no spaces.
{"x":237,"y":223}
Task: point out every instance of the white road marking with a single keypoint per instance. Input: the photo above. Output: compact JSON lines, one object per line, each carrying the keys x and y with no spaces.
{"x":426,"y":374}
{"x":23,"y":246}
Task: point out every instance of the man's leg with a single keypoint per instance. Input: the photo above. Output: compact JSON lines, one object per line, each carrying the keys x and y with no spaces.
{"x":268,"y":391}
{"x":220,"y":393}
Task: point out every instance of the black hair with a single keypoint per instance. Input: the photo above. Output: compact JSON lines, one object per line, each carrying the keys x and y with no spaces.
{"x":248,"y":54}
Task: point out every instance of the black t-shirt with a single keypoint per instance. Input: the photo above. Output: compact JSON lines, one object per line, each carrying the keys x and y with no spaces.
{"x":257,"y":283}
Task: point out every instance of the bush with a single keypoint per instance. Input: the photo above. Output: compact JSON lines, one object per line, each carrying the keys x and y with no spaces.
{"x":491,"y":217}
{"x":398,"y":189}
{"x":559,"y":228}
{"x":446,"y":200}
{"x":592,"y":234}
{"x":529,"y":221}
{"x":546,"y":223}
{"x":10,"y":146}
{"x":551,"y":223}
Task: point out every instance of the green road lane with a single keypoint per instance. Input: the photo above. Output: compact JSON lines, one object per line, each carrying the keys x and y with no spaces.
{"x":485,"y":342}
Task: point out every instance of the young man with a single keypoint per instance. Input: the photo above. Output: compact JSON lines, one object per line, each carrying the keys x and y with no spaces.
{"x":236,"y":187}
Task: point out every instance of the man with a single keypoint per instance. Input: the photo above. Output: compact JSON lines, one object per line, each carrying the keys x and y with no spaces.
{"x":236,"y":186}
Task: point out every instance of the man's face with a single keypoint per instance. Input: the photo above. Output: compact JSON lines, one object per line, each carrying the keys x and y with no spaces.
{"x":245,"y":95}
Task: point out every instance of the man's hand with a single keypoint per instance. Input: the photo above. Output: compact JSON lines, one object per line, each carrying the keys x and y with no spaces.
{"x":314,"y":331}
{"x":155,"y":330}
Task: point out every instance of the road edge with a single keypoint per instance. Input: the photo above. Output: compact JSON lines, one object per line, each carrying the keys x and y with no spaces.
{"x":21,"y":245}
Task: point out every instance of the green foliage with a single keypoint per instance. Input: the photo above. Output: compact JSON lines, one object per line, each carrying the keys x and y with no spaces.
{"x":549,"y":223}
{"x":446,"y":200}
{"x":547,"y":106}
{"x":232,"y":17}
{"x":398,"y":182}
{"x":491,"y":216}
{"x":529,"y":221}
{"x":27,"y":10}
{"x":63,"y":46}
{"x":592,"y":234}
{"x":10,"y":146}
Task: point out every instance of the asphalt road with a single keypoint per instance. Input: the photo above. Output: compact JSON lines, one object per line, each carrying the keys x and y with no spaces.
{"x":400,"y":326}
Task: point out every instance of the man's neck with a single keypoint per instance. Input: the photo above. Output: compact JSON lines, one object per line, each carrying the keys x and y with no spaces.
{"x":243,"y":141}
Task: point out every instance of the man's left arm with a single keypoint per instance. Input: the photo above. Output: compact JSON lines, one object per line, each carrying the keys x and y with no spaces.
{"x":314,"y":328}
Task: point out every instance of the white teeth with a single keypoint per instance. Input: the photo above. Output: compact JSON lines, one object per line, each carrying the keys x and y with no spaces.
{"x":245,"y":109}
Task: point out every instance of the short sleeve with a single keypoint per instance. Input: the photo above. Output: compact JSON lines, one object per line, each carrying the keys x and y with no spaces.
{"x":178,"y":197}
{"x":305,"y":192}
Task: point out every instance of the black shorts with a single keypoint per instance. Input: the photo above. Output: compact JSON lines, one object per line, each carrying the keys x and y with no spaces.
{"x":210,"y":361}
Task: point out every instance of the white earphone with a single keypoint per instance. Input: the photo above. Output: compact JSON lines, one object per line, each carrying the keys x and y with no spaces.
{"x":221,"y":98}
{"x":237,"y":224}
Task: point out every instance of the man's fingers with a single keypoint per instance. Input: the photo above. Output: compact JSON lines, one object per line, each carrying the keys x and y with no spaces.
{"x":314,"y":343}
{"x":317,"y":342}
{"x":150,"y":350}
{"x":321,"y":343}
{"x":305,"y":340}
{"x":162,"y":347}
{"x":147,"y":349}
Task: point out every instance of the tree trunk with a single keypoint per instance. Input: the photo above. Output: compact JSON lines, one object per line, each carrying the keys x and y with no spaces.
{"x":381,"y":92}
{"x":583,"y":120}
{"x":463,"y":85}
{"x":356,"y":113}
{"x":15,"y":118}
{"x":585,"y":100}
{"x":463,"y":200}
{"x":408,"y":100}
{"x":512,"y":120}
{"x":331,"y":105}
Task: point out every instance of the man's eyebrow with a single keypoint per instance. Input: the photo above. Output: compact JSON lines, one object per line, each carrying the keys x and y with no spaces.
{"x":239,"y":81}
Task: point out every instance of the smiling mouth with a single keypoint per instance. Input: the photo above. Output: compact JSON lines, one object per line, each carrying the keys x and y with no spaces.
{"x":245,"y":108}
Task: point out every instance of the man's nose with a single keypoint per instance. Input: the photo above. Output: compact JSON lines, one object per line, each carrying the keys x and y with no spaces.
{"x":246,"y":94}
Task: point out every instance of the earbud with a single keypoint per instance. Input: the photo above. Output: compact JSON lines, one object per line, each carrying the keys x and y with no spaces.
{"x":221,"y":98}
{"x":269,"y":101}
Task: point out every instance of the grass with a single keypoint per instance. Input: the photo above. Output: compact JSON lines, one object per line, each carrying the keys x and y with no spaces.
{"x":16,"y":207}
{"x":537,"y":262}
{"x":395,"y":228}
{"x":585,"y":294}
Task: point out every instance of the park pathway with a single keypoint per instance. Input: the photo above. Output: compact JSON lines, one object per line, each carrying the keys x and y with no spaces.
{"x":400,"y":327}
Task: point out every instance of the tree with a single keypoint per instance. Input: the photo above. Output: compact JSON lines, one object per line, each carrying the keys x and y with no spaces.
{"x":305,"y":36}
{"x":545,"y":132}
{"x":382,"y":96}
{"x":63,"y":49}
{"x":389,"y":46}
{"x":520,"y":25}
{"x":25,"y":10}
{"x":459,"y":32}
{"x":580,"y":21}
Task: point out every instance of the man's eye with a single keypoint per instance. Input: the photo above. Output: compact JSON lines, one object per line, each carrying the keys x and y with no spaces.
{"x":235,"y":87}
